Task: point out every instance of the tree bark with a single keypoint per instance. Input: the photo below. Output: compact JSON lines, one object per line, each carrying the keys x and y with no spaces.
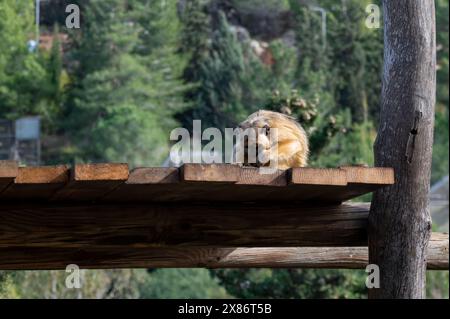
{"x":399,"y":221}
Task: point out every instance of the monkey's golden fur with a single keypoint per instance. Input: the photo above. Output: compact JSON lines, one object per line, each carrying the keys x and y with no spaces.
{"x":293,"y":148}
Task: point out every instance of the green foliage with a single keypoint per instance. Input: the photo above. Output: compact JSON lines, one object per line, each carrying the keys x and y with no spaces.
{"x":309,"y":39}
{"x":55,"y":67}
{"x":441,"y":133}
{"x":437,"y":284}
{"x":125,"y":83}
{"x":8,"y":289}
{"x":181,"y":283}
{"x":95,"y":284}
{"x":268,"y":5}
{"x":217,"y":75}
{"x":194,"y":43}
{"x":21,"y":72}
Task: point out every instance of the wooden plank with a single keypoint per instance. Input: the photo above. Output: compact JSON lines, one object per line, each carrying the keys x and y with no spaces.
{"x":315,"y":184}
{"x":200,"y":224}
{"x":369,"y":175}
{"x":92,"y":181}
{"x":195,"y":182}
{"x":253,"y":176}
{"x":318,"y":176}
{"x":153,"y":184}
{"x":8,"y":172}
{"x":36,"y":183}
{"x":34,"y":258}
{"x":154,"y":175}
{"x":363,"y":180}
{"x":228,"y":183}
{"x":338,"y":185}
{"x":199,"y":182}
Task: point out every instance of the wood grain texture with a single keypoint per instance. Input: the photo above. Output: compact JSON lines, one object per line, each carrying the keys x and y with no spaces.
{"x":253,"y":176}
{"x":100,"y":172}
{"x":8,"y":172}
{"x":36,"y":183}
{"x":216,"y":182}
{"x":318,"y":176}
{"x":243,"y":184}
{"x":34,"y":258}
{"x":217,"y":173}
{"x":206,"y":224}
{"x":369,"y":175}
{"x":438,"y":251}
{"x":154,"y":175}
{"x":400,"y":222}
{"x":92,"y":181}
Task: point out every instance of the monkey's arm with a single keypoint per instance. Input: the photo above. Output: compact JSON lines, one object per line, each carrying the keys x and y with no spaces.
{"x":289,"y":154}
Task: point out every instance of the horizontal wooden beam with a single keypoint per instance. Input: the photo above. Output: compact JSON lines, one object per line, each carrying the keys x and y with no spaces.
{"x":34,"y":258}
{"x":169,"y":224}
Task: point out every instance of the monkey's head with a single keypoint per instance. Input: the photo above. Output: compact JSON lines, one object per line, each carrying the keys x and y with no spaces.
{"x":290,"y":137}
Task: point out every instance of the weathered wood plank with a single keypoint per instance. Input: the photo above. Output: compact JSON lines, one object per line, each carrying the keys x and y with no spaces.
{"x":318,"y":176}
{"x":438,"y":251}
{"x":228,"y":183}
{"x":168,"y":184}
{"x":36,"y":183}
{"x":238,"y":184}
{"x":369,"y":175}
{"x":92,"y":181}
{"x":252,"y":176}
{"x":216,"y":173}
{"x":202,"y":224}
{"x":153,"y":184}
{"x":33,"y":258}
{"x":400,"y":221}
{"x":330,"y":182}
{"x":363,"y":180}
{"x":8,"y":172}
{"x":153,"y":175}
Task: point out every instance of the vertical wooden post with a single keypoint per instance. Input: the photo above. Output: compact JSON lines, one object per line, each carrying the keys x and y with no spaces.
{"x":399,"y":221}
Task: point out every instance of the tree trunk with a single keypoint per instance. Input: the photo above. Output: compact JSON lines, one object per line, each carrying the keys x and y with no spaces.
{"x":399,"y":221}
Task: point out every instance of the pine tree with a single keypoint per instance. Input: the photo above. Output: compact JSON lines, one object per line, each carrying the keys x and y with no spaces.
{"x":217,"y":73}
{"x":194,"y":43}
{"x":21,"y":72}
{"x":309,"y":39}
{"x":55,"y":69}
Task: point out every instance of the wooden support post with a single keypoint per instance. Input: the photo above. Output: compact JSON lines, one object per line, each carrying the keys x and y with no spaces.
{"x":399,"y":221}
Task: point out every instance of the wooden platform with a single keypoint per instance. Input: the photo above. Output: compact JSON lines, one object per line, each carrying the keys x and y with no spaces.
{"x":103,"y":216}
